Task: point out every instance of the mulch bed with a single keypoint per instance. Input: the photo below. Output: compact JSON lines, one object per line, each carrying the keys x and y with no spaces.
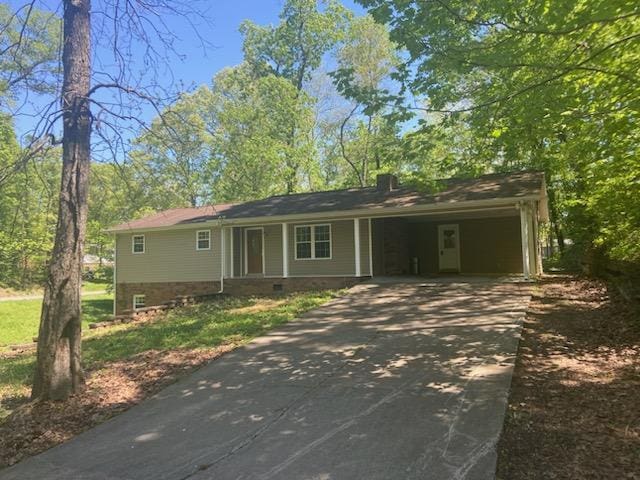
{"x":574,"y":408}
{"x":112,"y":389}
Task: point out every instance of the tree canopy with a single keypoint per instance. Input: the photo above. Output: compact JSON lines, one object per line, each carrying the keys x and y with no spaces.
{"x":532,"y":85}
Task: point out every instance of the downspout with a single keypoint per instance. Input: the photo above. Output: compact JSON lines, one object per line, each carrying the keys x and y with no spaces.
{"x":222,"y":253}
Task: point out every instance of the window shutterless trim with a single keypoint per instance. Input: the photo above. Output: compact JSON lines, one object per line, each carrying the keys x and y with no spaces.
{"x":133,"y":244}
{"x":198,"y":239}
{"x":137,"y":296}
{"x":312,"y":241}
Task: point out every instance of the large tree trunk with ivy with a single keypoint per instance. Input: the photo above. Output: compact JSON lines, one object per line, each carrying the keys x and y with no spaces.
{"x":59,"y":370}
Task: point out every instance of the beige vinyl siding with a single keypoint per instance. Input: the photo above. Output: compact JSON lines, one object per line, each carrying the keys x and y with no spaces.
{"x":364,"y":247}
{"x":342,"y":261}
{"x":273,"y":250}
{"x":227,"y":252}
{"x":170,"y":256}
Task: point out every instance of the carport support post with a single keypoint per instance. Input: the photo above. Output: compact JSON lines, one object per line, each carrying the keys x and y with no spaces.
{"x":356,"y":241}
{"x":524,"y":234}
{"x":285,"y":250}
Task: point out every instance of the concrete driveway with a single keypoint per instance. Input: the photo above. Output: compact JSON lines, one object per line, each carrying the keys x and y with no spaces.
{"x":398,"y":380}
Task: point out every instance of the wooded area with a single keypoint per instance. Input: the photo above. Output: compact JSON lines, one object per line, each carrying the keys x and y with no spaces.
{"x":326,"y":99}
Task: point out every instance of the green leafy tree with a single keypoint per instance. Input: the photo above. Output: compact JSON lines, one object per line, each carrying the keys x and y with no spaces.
{"x":366,"y":137}
{"x":543,"y":85}
{"x":293,"y":50}
{"x":175,"y":152}
{"x":256,"y":118}
{"x":29,"y":51}
{"x":27,"y":211}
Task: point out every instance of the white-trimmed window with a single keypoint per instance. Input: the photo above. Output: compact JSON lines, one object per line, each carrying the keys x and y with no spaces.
{"x":138,"y":302}
{"x":203,"y":240}
{"x":137,"y":244}
{"x":313,"y":242}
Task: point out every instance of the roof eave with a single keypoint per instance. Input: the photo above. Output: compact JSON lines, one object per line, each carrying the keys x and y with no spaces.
{"x":344,"y":214}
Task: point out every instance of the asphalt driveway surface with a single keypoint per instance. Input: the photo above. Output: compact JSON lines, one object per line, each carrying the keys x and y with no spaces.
{"x":402,"y":380}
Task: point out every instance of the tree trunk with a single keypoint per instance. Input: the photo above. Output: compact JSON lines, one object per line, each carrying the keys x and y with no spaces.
{"x":59,"y":370}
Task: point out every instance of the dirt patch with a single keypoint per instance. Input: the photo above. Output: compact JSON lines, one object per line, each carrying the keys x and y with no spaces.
{"x":574,"y":407}
{"x":110,"y":390}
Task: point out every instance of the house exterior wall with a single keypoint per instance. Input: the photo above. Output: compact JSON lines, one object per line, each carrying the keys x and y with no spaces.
{"x":170,"y":256}
{"x":273,"y":250}
{"x":487,"y":245}
{"x":342,"y":261}
{"x":171,"y":265}
{"x":364,"y":247}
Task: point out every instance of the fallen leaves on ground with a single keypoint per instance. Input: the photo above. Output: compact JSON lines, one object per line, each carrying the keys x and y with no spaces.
{"x":574,"y":404}
{"x":111,"y":389}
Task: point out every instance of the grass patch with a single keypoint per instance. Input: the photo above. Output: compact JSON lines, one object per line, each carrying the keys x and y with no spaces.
{"x":93,"y":286}
{"x":19,"y":319}
{"x":230,"y":321}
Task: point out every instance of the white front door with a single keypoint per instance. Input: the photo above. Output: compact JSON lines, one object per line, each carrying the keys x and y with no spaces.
{"x":449,"y":248}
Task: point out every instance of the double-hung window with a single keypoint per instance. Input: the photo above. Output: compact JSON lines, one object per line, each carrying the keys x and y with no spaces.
{"x":203,"y":240}
{"x":313,"y":242}
{"x":137,"y":243}
{"x":138,"y":302}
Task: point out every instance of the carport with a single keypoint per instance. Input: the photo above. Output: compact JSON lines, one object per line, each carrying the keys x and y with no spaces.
{"x":497,"y":240}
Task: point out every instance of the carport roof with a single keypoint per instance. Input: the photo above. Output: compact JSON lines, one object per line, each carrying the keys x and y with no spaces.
{"x":521,"y":185}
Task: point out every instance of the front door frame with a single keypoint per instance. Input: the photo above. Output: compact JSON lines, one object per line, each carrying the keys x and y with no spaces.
{"x":448,"y":226}
{"x":246,"y":251}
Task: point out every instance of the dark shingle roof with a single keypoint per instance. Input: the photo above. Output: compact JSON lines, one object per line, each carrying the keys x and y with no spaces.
{"x":487,"y":187}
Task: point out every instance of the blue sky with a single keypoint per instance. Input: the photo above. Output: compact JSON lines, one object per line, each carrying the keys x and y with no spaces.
{"x":198,"y":66}
{"x":223,"y":34}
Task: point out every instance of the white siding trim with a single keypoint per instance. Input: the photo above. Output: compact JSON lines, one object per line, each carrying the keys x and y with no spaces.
{"x":356,"y":244}
{"x":285,"y":250}
{"x":133,"y":242}
{"x":312,"y":227}
{"x":222,"y":259}
{"x":198,"y":232}
{"x":231,"y":253}
{"x":135,"y":297}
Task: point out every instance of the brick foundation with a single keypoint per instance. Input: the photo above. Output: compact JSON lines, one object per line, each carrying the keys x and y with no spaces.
{"x":159,"y":292}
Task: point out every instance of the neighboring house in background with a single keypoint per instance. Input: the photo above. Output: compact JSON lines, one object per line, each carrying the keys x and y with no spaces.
{"x":487,"y":225}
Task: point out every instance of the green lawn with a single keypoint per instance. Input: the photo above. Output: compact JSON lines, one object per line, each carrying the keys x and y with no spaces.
{"x":95,"y":287}
{"x":233,"y":320}
{"x":19,"y":319}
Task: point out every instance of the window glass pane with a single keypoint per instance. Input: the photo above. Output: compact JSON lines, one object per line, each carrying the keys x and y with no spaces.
{"x":323,"y":249}
{"x":322,"y":233}
{"x":303,"y":234}
{"x":138,"y":244}
{"x":303,"y":250}
{"x":203,"y":240}
{"x":138,"y":301}
{"x":449,"y":239}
